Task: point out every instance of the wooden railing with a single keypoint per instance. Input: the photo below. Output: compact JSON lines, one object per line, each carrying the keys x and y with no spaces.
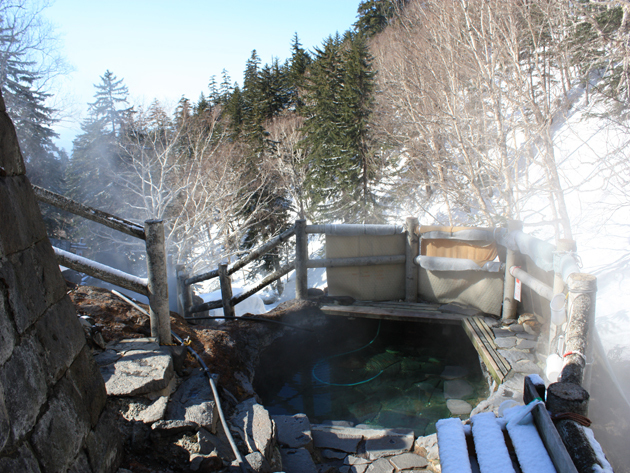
{"x":155,"y":286}
{"x":300,"y":264}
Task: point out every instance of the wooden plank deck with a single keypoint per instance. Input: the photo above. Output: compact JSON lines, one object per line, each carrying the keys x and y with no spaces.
{"x":482,"y":339}
{"x":475,"y":327}
{"x":400,"y":311}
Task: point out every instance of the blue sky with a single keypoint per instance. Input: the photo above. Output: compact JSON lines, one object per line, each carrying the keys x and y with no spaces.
{"x":165,"y":48}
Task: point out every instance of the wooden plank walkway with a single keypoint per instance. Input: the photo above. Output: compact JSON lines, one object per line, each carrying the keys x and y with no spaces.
{"x":482,"y":339}
{"x":475,"y":327}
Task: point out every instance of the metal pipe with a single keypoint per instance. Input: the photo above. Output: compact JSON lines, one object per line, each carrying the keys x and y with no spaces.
{"x":512,"y":258}
{"x":213,"y":386}
{"x":104,"y":218}
{"x":360,"y":261}
{"x":355,"y":229}
{"x":536,"y":285}
{"x":444,"y":263}
{"x":101,"y":271}
{"x":477,"y":234}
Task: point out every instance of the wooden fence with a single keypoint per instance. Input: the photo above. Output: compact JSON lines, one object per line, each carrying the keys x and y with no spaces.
{"x":155,"y":286}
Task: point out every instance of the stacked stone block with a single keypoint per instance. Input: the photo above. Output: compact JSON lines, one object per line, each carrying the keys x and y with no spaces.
{"x":52,"y":396}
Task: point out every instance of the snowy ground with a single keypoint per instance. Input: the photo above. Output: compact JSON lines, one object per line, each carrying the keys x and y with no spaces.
{"x":587,"y":153}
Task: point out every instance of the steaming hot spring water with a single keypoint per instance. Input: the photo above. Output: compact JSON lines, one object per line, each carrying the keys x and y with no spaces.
{"x":380,"y":373}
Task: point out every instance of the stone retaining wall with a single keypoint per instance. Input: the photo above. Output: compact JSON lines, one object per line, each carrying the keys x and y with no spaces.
{"x":52,"y":396}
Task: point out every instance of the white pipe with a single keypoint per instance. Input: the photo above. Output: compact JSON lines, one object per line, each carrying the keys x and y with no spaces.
{"x":536,"y":285}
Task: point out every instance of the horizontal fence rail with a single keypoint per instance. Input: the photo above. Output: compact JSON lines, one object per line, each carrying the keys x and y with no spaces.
{"x":101,"y":271}
{"x":223,"y":273}
{"x":355,"y":229}
{"x":270,"y":245}
{"x":104,"y":218}
{"x":358,"y":261}
{"x":155,"y":287}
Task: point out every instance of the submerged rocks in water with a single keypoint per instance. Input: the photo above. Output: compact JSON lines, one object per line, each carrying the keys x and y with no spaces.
{"x":454,"y":372}
{"x":458,"y":407}
{"x":457,"y":389}
{"x":381,"y":362}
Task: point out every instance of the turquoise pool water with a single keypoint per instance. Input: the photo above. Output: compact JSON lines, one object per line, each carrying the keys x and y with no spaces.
{"x":387,"y":374}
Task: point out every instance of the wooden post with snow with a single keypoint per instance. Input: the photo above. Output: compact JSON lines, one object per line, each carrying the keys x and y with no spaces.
{"x":582,"y":292}
{"x":226,"y":291}
{"x":562,"y":246}
{"x":567,"y":397}
{"x":411,"y":269}
{"x":301,"y":259}
{"x":512,"y":259}
{"x":157,"y":283}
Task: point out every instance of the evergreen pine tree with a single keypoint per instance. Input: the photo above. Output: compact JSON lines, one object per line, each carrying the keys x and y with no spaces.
{"x":374,"y":15}
{"x":341,"y":174}
{"x":110,"y":95}
{"x":25,"y":101}
{"x":96,"y":155}
{"x":234,"y":112}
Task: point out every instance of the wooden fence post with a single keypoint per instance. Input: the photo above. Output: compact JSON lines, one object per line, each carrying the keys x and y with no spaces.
{"x":582,"y":292}
{"x":226,"y":291}
{"x":512,"y":257}
{"x":157,"y":283}
{"x":184,"y":291}
{"x":301,"y":258}
{"x":411,"y":269}
{"x":562,"y":246}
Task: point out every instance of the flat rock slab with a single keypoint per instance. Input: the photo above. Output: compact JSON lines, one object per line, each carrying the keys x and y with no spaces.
{"x":346,"y":439}
{"x":255,"y":426}
{"x":154,"y":412}
{"x":408,"y":461}
{"x":138,"y":372}
{"x":297,"y":461}
{"x":499,"y":332}
{"x":353,"y":468}
{"x":506,"y":342}
{"x":454,"y":372}
{"x":458,"y":407}
{"x":174,"y":427}
{"x":194,"y":402}
{"x":392,"y":442}
{"x":107,"y":357}
{"x":123,"y":346}
{"x":516,"y":328}
{"x":526,"y":367}
{"x":257,"y":463}
{"x":526,"y":344}
{"x":457,"y":389}
{"x":333,"y":454}
{"x":382,"y":465}
{"x":352,"y":460}
{"x":294,"y":431}
{"x":514,"y":356}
